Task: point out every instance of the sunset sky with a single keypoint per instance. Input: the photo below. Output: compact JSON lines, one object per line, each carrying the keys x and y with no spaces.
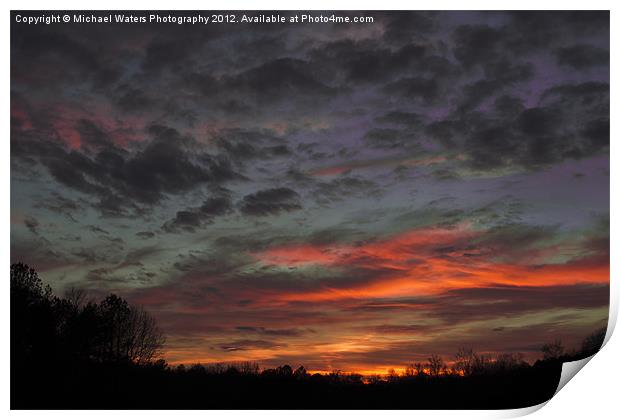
{"x":342,"y":196}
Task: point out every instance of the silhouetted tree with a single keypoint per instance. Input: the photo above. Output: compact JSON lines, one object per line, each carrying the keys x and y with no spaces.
{"x":336,"y":375}
{"x":393,"y":375}
{"x":249,"y":368}
{"x":26,"y":284}
{"x":300,"y":373}
{"x":480,"y":364}
{"x":130,"y":334}
{"x":464,"y":361}
{"x":33,"y":324}
{"x":285,"y":370}
{"x":76,"y":298}
{"x":419,"y":367}
{"x":435,"y":365}
{"x":509,"y":361}
{"x":374,"y":379}
{"x":411,"y":371}
{"x":196,"y":369}
{"x":467,"y":362}
{"x":593,"y":343}
{"x":553,"y":350}
{"x":71,"y":329}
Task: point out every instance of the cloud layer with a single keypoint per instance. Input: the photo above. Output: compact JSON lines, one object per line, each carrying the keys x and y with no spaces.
{"x":343,"y":196}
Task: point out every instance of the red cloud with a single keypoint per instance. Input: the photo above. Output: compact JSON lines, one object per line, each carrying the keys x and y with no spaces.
{"x":426,"y":261}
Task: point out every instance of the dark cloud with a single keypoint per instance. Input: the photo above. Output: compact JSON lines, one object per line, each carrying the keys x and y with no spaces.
{"x":365,"y":64}
{"x":344,"y":186}
{"x":168,"y":164}
{"x":407,"y":119}
{"x":38,"y":253}
{"x":590,"y":97}
{"x":275,"y":81}
{"x":270,"y":202}
{"x":499,"y":76}
{"x":582,"y":56}
{"x":529,"y":30}
{"x":571,"y":122}
{"x":404,"y":329}
{"x":447,"y":131}
{"x":89,"y":255}
{"x":145,"y":234}
{"x":191,"y":219}
{"x":48,"y":57}
{"x":91,"y":135}
{"x":32,"y":224}
{"x":385,"y":138}
{"x":500,"y":50}
{"x":132,"y":99}
{"x":240,"y":345}
{"x":455,"y":306}
{"x":59,"y":204}
{"x":336,"y":234}
{"x":415,"y":89}
{"x":243,"y":145}
{"x":409,"y":25}
{"x":284,"y":332}
{"x":165,"y":166}
{"x":507,"y":105}
{"x":477,"y":44}
{"x":97,"y":229}
{"x":505,"y":301}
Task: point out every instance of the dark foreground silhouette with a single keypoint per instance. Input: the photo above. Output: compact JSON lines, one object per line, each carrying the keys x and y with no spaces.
{"x":70,"y":354}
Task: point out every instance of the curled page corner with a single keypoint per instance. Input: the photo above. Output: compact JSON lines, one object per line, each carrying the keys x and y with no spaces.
{"x":613,"y":313}
{"x":519,"y":412}
{"x":569,"y":370}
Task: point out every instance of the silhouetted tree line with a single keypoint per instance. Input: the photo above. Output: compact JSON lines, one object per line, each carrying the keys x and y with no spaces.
{"x":72,"y":352}
{"x":46,"y":327}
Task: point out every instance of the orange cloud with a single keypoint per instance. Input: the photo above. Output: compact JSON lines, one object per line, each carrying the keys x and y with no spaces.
{"x":423,"y":262}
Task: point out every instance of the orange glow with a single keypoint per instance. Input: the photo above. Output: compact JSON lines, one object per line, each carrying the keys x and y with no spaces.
{"x":423,"y":262}
{"x":413,"y":266}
